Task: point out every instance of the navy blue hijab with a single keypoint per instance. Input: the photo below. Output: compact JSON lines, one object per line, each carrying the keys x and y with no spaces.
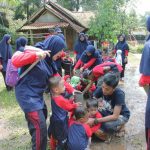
{"x":122,"y":45}
{"x":5,"y":48}
{"x":53,"y":43}
{"x":21,"y":42}
{"x":145,"y":59}
{"x":94,"y":54}
{"x":80,"y":46}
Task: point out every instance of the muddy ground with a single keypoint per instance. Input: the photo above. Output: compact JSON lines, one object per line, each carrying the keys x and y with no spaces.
{"x":13,"y":129}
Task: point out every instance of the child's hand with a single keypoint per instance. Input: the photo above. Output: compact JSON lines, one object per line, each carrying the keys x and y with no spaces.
{"x":42,"y":54}
{"x":79,"y":104}
{"x":81,"y":69}
{"x":90,"y":122}
{"x":74,"y":72}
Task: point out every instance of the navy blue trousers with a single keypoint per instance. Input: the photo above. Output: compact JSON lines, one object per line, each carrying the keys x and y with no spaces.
{"x":38,"y":129}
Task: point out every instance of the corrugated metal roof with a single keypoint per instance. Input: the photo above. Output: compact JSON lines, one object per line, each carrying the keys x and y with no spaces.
{"x":43,"y":25}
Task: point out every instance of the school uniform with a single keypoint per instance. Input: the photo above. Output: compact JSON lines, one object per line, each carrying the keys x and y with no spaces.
{"x":80,"y":47}
{"x":29,"y":90}
{"x":123,"y":46}
{"x":6,"y":53}
{"x":145,"y":80}
{"x":59,"y":120}
{"x":98,"y":71}
{"x":88,"y":62}
{"x":97,"y":126}
{"x":78,"y":136}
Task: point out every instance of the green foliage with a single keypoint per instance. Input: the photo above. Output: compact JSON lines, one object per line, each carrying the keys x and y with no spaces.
{"x":76,"y":4}
{"x":13,"y":25}
{"x":138,"y":48}
{"x":143,"y":19}
{"x":26,"y":8}
{"x":131,"y":22}
{"x":3,"y":30}
{"x":111,"y":20}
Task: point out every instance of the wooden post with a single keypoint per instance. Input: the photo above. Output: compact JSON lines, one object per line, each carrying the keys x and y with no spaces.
{"x":31,"y":38}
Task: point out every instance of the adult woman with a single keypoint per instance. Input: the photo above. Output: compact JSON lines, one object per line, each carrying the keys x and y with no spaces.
{"x":145,"y":81}
{"x":29,"y":90}
{"x":6,"y":53}
{"x":123,"y":46}
{"x":80,"y":46}
{"x":89,"y":59}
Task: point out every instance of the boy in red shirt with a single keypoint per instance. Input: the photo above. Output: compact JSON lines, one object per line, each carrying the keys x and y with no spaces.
{"x":60,"y":107}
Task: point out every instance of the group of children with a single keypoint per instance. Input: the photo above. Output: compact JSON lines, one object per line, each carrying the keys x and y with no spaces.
{"x":71,"y":131}
{"x":69,"y":128}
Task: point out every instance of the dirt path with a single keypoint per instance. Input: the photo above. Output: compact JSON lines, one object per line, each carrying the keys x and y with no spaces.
{"x":136,"y":100}
{"x":13,"y":129}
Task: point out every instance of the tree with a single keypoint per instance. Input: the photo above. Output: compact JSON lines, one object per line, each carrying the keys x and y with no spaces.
{"x":143,"y":19}
{"x":26,"y":8}
{"x":77,"y":4}
{"x":109,"y":20}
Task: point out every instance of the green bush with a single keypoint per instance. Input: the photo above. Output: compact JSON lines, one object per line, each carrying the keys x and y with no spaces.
{"x":140,"y":48}
{"x":137,"y":48}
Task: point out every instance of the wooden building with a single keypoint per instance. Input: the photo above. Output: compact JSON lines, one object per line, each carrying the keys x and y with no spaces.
{"x":52,"y":14}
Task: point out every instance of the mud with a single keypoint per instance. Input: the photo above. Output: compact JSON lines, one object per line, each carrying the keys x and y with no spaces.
{"x":136,"y":99}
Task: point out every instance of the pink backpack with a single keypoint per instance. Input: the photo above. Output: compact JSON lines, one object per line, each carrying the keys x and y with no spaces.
{"x":12,"y":75}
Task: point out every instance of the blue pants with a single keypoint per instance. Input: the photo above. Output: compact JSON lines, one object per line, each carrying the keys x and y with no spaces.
{"x":38,"y":129}
{"x":112,"y":126}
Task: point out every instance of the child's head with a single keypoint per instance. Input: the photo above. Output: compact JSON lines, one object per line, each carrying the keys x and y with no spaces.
{"x":87,"y":74}
{"x":92,"y":106}
{"x":111,"y":54}
{"x":81,"y":114}
{"x":56,"y":85}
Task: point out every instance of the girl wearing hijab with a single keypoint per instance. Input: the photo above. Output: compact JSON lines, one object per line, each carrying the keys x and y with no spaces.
{"x":6,"y":53}
{"x":21,"y":42}
{"x":80,"y":46}
{"x":89,"y":59}
{"x":29,"y":89}
{"x":145,"y":81}
{"x":123,"y":46}
{"x":54,"y":49}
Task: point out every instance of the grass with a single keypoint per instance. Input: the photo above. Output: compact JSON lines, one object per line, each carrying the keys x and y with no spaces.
{"x":13,"y":127}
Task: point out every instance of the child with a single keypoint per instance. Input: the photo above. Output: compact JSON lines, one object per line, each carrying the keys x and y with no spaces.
{"x":60,"y":107}
{"x":79,"y":132}
{"x":88,"y":59}
{"x":92,"y":106}
{"x":99,"y":71}
{"x":67,"y":64}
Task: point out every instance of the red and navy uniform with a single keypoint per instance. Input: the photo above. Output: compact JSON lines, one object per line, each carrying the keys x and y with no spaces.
{"x":59,"y":120}
{"x":78,"y":136}
{"x":145,"y":80}
{"x":80,"y":46}
{"x":88,"y":62}
{"x":29,"y":89}
{"x":98,"y":70}
{"x":108,"y":59}
{"x":123,"y":46}
{"x":98,"y":126}
{"x":29,"y":95}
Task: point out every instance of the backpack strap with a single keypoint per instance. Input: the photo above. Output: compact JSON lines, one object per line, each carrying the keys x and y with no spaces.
{"x":26,"y":71}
